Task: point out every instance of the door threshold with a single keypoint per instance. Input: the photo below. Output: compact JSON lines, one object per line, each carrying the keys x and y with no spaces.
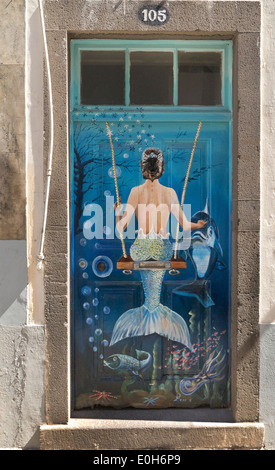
{"x":150,"y":434}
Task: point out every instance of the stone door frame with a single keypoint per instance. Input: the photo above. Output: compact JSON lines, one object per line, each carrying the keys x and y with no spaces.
{"x":238,"y":21}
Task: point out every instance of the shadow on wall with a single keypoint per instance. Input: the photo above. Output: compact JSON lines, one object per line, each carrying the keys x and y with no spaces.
{"x":13,"y":282}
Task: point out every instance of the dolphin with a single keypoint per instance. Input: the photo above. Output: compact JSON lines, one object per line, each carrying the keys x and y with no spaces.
{"x":206,"y":255}
{"x":129,"y":364}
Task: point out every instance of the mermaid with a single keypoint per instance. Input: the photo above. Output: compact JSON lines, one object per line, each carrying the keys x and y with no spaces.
{"x":152,"y":203}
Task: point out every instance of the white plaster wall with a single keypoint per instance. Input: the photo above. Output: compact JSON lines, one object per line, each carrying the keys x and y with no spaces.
{"x":13,"y":282}
{"x":267,"y":165}
{"x":21,"y":386}
{"x":35,"y":185}
{"x":267,"y":234}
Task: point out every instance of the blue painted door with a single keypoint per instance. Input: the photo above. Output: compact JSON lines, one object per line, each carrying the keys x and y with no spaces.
{"x":150,"y":338}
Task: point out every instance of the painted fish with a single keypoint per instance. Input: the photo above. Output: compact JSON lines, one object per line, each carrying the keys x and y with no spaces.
{"x":128,"y":364}
{"x":206,"y":255}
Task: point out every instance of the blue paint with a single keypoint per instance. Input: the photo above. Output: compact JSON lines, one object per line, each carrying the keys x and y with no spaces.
{"x":101,"y":296}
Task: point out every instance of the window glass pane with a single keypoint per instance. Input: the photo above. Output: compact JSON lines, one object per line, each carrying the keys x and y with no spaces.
{"x":199,"y":78}
{"x":151,"y":78}
{"x":103,"y":77}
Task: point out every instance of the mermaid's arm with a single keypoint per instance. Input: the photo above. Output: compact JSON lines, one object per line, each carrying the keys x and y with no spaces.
{"x":180,"y":216}
{"x":123,"y":220}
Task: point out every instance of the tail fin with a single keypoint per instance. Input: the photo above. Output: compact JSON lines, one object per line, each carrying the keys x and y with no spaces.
{"x":141,"y":322}
{"x":197,"y":289}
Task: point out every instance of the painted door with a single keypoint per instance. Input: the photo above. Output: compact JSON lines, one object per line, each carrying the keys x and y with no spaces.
{"x":150,"y":337}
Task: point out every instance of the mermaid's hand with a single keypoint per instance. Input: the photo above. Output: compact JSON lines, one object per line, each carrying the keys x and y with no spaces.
{"x":201,"y":223}
{"x":118,"y":207}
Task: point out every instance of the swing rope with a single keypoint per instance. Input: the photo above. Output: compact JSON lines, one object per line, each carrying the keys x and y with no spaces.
{"x":185,"y":185}
{"x":109,"y":132}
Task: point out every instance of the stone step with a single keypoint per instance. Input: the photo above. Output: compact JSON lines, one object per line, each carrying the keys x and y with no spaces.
{"x":122,"y":434}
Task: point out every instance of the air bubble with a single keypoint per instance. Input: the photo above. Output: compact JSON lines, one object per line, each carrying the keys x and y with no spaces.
{"x":107,"y":230}
{"x":111,"y":172}
{"x":89,"y":321}
{"x":86,"y":305}
{"x":86,"y":290}
{"x":106,"y":310}
{"x":82,"y":263}
{"x":102,"y":266}
{"x":98,"y":332}
{"x":95,"y":302}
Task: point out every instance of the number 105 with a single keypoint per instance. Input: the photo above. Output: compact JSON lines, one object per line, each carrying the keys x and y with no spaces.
{"x":153,"y":15}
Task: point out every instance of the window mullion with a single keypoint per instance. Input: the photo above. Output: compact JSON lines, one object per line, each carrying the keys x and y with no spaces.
{"x":127,"y":77}
{"x":175,"y":72}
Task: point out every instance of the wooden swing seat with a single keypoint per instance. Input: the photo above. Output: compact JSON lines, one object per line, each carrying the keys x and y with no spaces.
{"x":129,"y":264}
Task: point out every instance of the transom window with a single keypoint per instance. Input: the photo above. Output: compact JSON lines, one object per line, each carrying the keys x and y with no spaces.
{"x":151,"y":74}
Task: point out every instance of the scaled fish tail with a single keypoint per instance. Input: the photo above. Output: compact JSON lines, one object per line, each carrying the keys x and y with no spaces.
{"x":142,"y":322}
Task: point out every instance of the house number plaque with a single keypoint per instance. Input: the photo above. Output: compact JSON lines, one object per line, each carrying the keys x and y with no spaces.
{"x":153,"y":15}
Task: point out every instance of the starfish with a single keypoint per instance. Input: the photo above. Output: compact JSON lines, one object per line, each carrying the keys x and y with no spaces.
{"x":150,"y":401}
{"x":98,"y":395}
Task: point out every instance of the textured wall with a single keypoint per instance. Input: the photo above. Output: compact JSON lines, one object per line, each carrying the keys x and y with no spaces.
{"x":268,"y":166}
{"x":13,"y":259}
{"x":21,"y":382}
{"x":12,"y":121}
{"x":267,"y":245}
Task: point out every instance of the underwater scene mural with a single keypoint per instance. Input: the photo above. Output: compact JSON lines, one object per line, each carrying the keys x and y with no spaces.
{"x":151,"y":307}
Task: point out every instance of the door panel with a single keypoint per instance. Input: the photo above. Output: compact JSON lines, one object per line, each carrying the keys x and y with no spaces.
{"x":150,"y":370}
